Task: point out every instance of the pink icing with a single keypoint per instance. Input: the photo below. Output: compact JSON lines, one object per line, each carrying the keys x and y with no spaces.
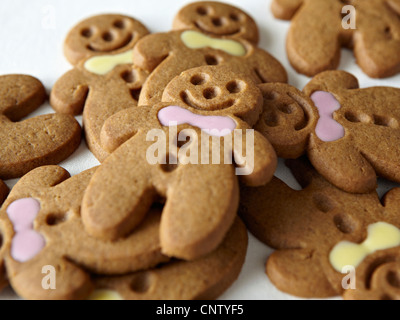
{"x":27,"y":242}
{"x":213,"y":125}
{"x":327,"y":128}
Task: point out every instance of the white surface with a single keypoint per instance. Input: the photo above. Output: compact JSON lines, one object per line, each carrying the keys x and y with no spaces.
{"x":32,"y":35}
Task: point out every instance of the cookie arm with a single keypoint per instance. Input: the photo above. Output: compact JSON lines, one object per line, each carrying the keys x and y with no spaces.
{"x":69,"y":93}
{"x":150,"y":51}
{"x":124,"y":125}
{"x":20,"y":95}
{"x":265,"y":67}
{"x":255,"y":157}
{"x":285,"y":9}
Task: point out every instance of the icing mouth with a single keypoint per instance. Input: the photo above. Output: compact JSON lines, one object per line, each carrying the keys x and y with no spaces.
{"x":217,"y":106}
{"x":120,"y":45}
{"x":213,"y":33}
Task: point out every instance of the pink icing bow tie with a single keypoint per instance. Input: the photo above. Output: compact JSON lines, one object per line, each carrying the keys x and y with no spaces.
{"x":327,"y":128}
{"x":212,"y":125}
{"x":27,"y":242}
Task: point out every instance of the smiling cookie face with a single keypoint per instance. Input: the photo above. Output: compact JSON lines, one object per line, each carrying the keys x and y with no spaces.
{"x":217,"y":19}
{"x":103,"y":34}
{"x":209,"y":90}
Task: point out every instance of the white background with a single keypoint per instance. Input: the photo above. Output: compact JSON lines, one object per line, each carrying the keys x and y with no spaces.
{"x":32,"y":34}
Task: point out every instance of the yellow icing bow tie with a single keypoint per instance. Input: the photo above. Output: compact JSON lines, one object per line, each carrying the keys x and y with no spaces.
{"x":381,"y":236}
{"x":102,"y":65}
{"x":197,"y":40}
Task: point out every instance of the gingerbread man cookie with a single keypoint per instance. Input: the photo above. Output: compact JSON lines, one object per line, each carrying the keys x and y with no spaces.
{"x":41,"y":140}
{"x":104,"y":80}
{"x":166,"y":55}
{"x":217,"y":18}
{"x":213,"y":108}
{"x":328,"y":242}
{"x":320,"y":28}
{"x":203,"y":279}
{"x":351,"y":135}
{"x":43,"y":233}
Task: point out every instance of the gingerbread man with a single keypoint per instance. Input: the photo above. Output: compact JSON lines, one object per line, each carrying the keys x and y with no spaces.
{"x":214,"y":108}
{"x":43,"y":235}
{"x":41,"y":140}
{"x":351,"y":135}
{"x":104,"y":80}
{"x":320,"y":28}
{"x":214,"y":34}
{"x":328,"y":242}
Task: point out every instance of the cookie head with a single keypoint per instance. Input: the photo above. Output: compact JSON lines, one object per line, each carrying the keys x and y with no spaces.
{"x":216,"y":89}
{"x":217,"y":19}
{"x":103,"y":34}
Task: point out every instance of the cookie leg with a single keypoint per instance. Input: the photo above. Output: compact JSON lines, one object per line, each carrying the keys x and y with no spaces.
{"x":62,"y":280}
{"x":119,"y":194}
{"x":311,"y":51}
{"x":201,"y":207}
{"x":69,"y":93}
{"x":377,"y":45}
{"x":297,"y":272}
{"x":342,"y":165}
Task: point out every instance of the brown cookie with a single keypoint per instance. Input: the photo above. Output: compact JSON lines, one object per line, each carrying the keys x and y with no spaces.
{"x":350,"y":134}
{"x":104,"y":80}
{"x":42,"y":231}
{"x":203,"y":279}
{"x":3,"y":278}
{"x":319,"y":29}
{"x":166,"y":55}
{"x":42,"y":140}
{"x":214,"y":108}
{"x":328,"y":242}
{"x":218,"y":19}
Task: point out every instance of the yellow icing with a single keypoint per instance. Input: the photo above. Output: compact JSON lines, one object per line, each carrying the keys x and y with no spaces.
{"x":197,"y":40}
{"x":105,"y":295}
{"x":104,"y":64}
{"x":381,"y":236}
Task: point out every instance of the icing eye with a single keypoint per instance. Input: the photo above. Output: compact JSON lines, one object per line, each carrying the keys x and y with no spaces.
{"x":199,"y":79}
{"x":87,"y":33}
{"x":202,"y":11}
{"x":211,"y":93}
{"x":119,"y":24}
{"x":235,"y":86}
{"x":55,"y":219}
{"x":107,"y":36}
